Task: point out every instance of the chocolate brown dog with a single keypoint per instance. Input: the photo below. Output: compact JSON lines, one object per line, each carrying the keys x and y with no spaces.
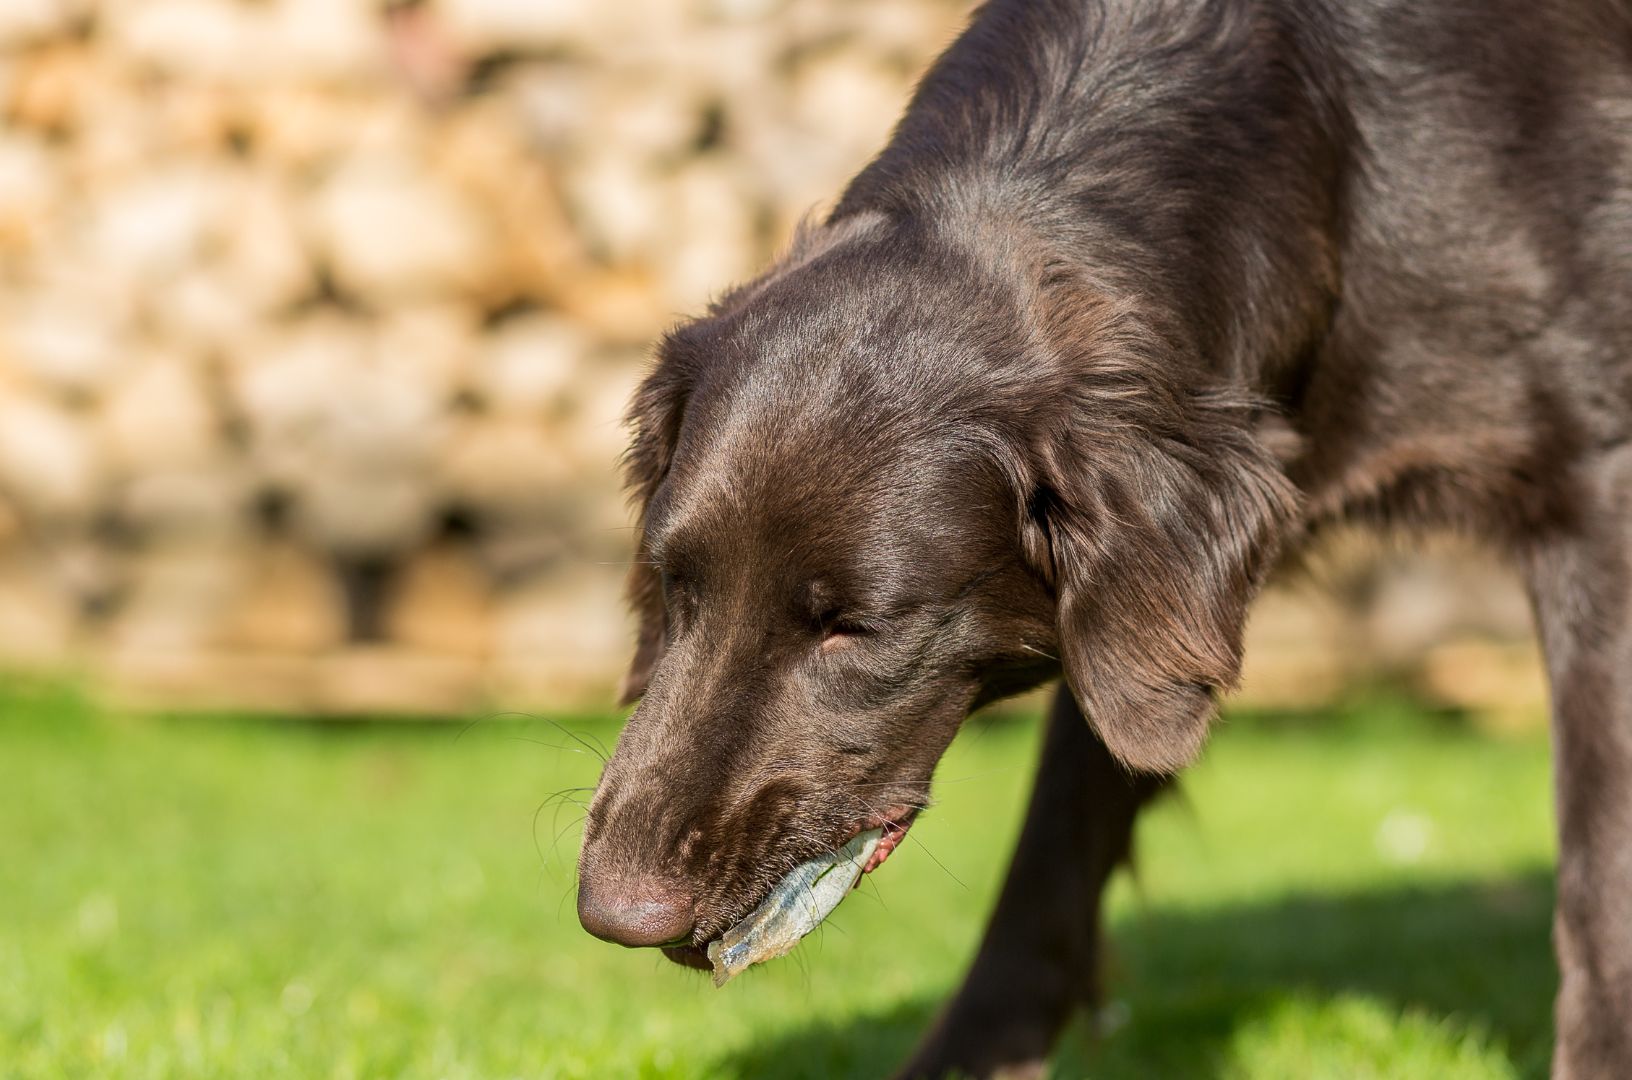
{"x":1140,"y":295}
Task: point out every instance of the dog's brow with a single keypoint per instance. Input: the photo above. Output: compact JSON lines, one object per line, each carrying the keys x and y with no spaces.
{"x":662,"y":522}
{"x":661,"y":547}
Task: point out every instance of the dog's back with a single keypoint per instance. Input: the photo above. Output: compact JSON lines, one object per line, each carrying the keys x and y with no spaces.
{"x":1426,"y":208}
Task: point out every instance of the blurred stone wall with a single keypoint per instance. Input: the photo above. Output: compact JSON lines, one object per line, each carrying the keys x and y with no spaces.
{"x":1441,"y":619}
{"x":317,"y":318}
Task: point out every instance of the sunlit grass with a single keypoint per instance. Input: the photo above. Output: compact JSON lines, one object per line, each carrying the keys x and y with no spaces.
{"x":1357,"y":1038}
{"x":232,"y":897}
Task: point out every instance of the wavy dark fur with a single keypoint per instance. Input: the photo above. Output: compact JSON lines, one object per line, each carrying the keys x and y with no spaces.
{"x":1140,"y":295}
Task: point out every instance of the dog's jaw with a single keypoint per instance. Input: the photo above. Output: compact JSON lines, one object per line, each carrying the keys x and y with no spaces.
{"x":894,"y":822}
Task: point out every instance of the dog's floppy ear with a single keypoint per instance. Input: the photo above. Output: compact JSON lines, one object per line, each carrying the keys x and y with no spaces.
{"x":1155,"y":514}
{"x":655,"y":416}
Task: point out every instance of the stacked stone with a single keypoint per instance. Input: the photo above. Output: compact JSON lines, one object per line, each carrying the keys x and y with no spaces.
{"x":317,"y":318}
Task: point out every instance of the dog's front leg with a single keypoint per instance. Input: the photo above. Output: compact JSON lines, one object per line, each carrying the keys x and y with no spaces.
{"x":1040,"y":956}
{"x":1582,"y":584}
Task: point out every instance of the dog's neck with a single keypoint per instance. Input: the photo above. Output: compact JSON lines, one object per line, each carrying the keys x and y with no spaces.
{"x":1181,"y":156}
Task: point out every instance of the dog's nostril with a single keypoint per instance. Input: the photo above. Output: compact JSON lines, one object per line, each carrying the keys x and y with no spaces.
{"x":636,"y":916}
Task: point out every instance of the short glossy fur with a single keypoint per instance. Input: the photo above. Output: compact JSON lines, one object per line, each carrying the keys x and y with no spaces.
{"x":1141,"y":294}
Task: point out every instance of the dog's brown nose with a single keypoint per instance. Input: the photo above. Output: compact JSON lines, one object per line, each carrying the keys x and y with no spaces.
{"x":634,"y":915}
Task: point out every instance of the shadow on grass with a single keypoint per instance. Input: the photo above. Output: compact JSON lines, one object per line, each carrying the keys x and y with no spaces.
{"x":1477,"y":954}
{"x":862,"y":1048}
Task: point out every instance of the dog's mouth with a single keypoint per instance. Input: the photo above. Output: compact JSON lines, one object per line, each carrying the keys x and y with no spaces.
{"x":894,"y":822}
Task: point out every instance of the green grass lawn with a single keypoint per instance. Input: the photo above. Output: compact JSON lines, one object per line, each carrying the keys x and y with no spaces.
{"x":1367,"y":896}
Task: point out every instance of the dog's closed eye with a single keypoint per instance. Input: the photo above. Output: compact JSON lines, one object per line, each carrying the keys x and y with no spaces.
{"x":840,"y":630}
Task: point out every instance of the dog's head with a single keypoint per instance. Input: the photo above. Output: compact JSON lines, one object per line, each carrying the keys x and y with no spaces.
{"x":881,"y":486}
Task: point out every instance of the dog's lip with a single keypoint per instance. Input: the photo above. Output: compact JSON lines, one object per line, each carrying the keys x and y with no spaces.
{"x":894,"y":822}
{"x":689,"y":955}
